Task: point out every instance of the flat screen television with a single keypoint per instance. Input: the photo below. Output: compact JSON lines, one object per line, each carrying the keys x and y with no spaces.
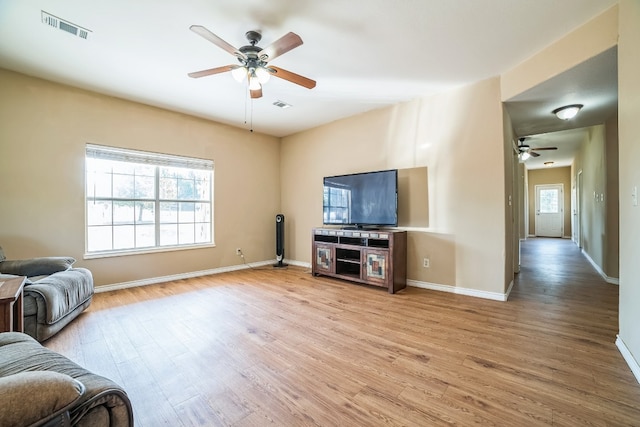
{"x":362,"y":199}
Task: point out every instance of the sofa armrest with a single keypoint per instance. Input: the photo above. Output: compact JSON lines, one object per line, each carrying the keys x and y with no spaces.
{"x":36,"y":266}
{"x":35,"y":398}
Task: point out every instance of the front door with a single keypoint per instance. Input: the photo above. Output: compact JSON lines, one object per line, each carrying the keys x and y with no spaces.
{"x":549,"y":210}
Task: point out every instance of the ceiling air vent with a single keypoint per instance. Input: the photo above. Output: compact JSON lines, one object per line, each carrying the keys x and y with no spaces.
{"x":281,"y":104}
{"x":61,"y":24}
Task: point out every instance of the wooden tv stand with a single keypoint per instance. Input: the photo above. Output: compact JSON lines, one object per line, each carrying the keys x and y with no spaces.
{"x":373,"y":257}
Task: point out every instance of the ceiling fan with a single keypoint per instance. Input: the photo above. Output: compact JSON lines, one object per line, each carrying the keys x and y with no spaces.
{"x":526,"y":151}
{"x":254,"y":60}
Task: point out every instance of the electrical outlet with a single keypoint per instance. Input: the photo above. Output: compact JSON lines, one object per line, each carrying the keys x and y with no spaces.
{"x":426,"y":263}
{"x":239,"y":251}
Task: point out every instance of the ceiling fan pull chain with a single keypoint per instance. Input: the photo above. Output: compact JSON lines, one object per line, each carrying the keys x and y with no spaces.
{"x":251,"y":126}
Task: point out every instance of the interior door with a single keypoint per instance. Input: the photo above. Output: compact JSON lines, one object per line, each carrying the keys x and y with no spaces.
{"x":549,"y":210}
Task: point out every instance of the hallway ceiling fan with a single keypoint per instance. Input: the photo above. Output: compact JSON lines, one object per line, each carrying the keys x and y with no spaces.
{"x":525,"y":150}
{"x":253,"y":60}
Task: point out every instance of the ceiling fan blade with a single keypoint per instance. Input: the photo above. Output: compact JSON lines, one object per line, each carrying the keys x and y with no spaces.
{"x":533,"y":154}
{"x":203,"y":32}
{"x":292,"y":77}
{"x":211,"y":71}
{"x":256,"y":93}
{"x":545,"y":148}
{"x":283,"y":45}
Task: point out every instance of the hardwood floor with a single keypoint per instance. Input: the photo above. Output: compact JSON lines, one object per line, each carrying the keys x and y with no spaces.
{"x":280,"y":347}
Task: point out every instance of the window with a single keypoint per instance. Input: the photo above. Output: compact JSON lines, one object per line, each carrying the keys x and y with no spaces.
{"x":549,"y":200}
{"x":139,"y":201}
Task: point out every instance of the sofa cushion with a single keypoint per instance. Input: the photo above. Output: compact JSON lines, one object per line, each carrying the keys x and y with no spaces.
{"x":36,"y":266}
{"x":55,"y":392}
{"x":62,"y":291}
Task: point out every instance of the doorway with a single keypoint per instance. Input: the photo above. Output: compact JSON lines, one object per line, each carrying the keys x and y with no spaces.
{"x":549,"y":211}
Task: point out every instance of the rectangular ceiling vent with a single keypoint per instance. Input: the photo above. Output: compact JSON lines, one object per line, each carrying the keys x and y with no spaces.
{"x":281,"y":104}
{"x":61,"y":24}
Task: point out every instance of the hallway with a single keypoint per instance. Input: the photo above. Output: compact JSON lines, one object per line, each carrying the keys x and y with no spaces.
{"x":562,"y":290}
{"x":556,"y":268}
{"x":565,"y":296}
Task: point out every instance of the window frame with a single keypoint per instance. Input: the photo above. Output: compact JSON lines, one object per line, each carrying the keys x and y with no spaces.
{"x":157,"y":161}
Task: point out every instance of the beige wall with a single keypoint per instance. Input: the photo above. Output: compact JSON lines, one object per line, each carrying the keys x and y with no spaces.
{"x":597,"y":160}
{"x":465,"y":237}
{"x":560,"y":175}
{"x":629,"y":131}
{"x":612,"y":226}
{"x":595,"y":36}
{"x":413,"y":197}
{"x":512,"y":190}
{"x":42,"y":139}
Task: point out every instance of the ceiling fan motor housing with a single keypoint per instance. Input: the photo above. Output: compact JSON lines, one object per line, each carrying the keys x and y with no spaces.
{"x":251,"y":60}
{"x":253,"y":36}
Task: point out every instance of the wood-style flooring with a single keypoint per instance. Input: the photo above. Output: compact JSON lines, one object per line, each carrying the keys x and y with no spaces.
{"x":280,"y":347}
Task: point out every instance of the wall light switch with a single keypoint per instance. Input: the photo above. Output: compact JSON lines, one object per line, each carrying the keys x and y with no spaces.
{"x":634,"y":196}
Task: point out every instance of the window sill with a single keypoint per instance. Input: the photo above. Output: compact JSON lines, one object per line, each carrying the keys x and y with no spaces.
{"x":111,"y":254}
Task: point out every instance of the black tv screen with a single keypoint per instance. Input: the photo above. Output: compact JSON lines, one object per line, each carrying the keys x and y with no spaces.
{"x":362,"y":199}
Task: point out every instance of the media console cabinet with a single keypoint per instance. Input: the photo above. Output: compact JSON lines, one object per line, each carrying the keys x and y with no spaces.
{"x":376,"y":258}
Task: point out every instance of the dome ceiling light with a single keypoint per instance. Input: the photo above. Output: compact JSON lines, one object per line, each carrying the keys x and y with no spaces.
{"x":568,"y":111}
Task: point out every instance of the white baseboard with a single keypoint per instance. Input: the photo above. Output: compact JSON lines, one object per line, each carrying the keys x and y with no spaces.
{"x":462,"y":291}
{"x":425,"y":285}
{"x":506,"y":294}
{"x":162,"y":279}
{"x":612,"y":280}
{"x":628,"y":357}
{"x":299,"y":263}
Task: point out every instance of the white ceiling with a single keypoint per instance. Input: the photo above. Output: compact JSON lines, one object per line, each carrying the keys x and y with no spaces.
{"x":364,"y":54}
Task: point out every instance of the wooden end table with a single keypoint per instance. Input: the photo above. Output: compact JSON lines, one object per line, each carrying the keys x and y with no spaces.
{"x":11,"y":305}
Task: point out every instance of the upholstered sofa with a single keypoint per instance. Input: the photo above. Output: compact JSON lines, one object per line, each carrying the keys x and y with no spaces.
{"x":55,"y":293}
{"x":39,"y":387}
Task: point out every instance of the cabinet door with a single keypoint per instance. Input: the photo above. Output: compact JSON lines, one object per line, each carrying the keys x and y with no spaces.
{"x":376,"y":267}
{"x":323,"y":258}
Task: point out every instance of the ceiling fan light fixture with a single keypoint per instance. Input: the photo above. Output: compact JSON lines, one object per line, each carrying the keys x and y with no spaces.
{"x":262,"y":75}
{"x":254,"y":83}
{"x":525,"y":156}
{"x":239,"y":74}
{"x":568,"y":111}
